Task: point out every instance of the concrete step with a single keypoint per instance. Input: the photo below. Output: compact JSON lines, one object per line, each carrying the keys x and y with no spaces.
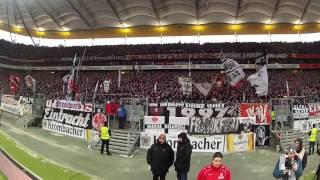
{"x":118,"y":151}
{"x":118,"y":148}
{"x":125,"y":141}
{"x":118,"y":144}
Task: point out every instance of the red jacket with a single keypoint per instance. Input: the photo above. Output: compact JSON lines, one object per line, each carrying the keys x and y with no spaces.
{"x":212,"y":173}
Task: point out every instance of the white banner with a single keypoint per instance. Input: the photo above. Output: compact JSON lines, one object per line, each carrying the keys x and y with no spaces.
{"x":306,"y":125}
{"x":64,"y":129}
{"x":207,"y":144}
{"x":69,"y":105}
{"x":154,"y":124}
{"x":178,"y":124}
{"x":300,"y":112}
{"x":15,"y":109}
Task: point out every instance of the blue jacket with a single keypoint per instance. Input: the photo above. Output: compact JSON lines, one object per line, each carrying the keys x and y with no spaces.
{"x":277,"y":173}
{"x":122,"y":112}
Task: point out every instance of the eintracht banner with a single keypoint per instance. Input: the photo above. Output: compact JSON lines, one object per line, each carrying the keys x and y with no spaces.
{"x":70,"y":118}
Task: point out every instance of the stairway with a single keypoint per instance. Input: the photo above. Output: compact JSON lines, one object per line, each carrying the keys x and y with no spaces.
{"x":122,"y":142}
{"x":26,"y":120}
{"x":289,"y":136}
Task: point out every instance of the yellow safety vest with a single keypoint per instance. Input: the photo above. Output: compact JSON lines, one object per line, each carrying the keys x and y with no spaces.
{"x":313,"y":135}
{"x":105,"y":133}
{"x":273,"y":116}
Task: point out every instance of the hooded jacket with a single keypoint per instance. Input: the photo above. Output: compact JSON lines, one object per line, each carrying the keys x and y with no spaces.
{"x":184,"y":151}
{"x":160,"y":157}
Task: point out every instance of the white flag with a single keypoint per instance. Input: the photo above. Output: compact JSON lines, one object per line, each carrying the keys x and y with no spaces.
{"x":66,"y":77}
{"x":260,"y":81}
{"x":96,"y":88}
{"x":72,"y":76}
{"x":233,"y":71}
{"x":30,"y":82}
{"x":106,"y":85}
{"x":186,"y":85}
{"x":204,"y":88}
{"x":119,"y":79}
{"x":155,"y":87}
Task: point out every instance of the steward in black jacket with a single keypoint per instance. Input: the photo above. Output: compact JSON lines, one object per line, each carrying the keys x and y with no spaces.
{"x":160,"y":157}
{"x":184,"y":151}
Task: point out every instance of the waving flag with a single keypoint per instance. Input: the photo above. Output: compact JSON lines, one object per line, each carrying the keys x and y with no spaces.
{"x":260,"y":79}
{"x":14,"y":83}
{"x":31,"y":83}
{"x":186,"y":85}
{"x":204,"y":88}
{"x":233,"y":70}
{"x":72,"y":76}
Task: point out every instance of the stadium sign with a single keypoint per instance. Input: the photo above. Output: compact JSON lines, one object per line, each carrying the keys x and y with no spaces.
{"x":207,"y":144}
{"x":70,"y":118}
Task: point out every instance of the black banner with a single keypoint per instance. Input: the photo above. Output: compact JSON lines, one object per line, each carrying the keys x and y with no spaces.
{"x":205,"y":119}
{"x":262,"y":135}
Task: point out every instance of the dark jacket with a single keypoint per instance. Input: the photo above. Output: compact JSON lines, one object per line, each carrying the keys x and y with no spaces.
{"x":160,"y":157}
{"x":184,"y":151}
{"x":302,"y":154}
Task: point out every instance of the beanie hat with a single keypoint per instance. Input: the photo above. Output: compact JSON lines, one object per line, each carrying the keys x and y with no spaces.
{"x":292,"y":148}
{"x":217,"y":154}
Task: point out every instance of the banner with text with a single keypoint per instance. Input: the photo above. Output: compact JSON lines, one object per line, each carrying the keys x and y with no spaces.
{"x":71,"y":119}
{"x":207,"y":144}
{"x":261,"y":111}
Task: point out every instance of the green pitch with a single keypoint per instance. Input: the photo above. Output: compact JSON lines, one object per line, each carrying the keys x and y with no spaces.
{"x":2,"y":176}
{"x":39,"y":165}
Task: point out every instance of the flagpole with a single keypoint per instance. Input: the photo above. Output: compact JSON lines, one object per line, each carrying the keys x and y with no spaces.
{"x":287,"y":85}
{"x":190,"y":65}
{"x":80,"y":64}
{"x":119,"y":79}
{"x":85,"y":96}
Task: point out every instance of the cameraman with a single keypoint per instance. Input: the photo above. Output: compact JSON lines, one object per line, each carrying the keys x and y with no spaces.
{"x":289,"y":166}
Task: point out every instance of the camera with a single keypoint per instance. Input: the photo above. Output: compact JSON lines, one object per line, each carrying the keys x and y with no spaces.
{"x":288,"y":163}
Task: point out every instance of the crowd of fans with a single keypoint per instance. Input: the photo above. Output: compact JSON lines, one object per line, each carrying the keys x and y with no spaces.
{"x":9,"y":49}
{"x":142,"y":85}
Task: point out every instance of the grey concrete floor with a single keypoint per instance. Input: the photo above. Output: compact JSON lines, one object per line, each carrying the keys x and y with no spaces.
{"x":74,"y":153}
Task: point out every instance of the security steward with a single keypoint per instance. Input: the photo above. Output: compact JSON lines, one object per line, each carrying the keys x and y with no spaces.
{"x":273,"y":119}
{"x":313,"y":136}
{"x":105,"y":135}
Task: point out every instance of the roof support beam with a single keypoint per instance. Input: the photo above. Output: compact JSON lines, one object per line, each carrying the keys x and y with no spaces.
{"x":8,"y":20}
{"x":155,"y":11}
{"x":29,"y":12}
{"x":23,"y":22}
{"x":238,"y":11}
{"x":115,"y":12}
{"x":274,"y":11}
{"x":80,"y":14}
{"x":39,"y":2}
{"x":304,"y":11}
{"x":197,"y":6}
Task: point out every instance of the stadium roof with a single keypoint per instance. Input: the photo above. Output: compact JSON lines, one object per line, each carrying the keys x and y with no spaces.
{"x":113,"y":18}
